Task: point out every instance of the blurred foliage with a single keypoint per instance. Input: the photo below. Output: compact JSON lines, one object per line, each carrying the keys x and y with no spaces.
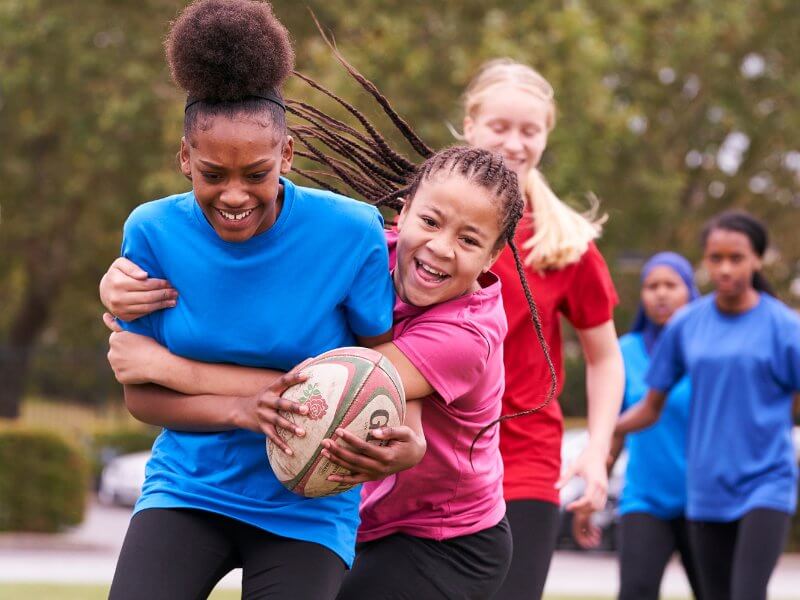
{"x":669,"y":110}
{"x":43,"y":481}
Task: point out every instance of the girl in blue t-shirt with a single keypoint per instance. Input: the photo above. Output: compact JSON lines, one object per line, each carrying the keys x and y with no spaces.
{"x":653,"y":502}
{"x":740,"y":347}
{"x":265,"y":282}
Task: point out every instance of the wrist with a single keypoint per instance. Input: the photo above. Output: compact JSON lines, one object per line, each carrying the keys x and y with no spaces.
{"x":154,"y":370}
{"x":240,"y":413}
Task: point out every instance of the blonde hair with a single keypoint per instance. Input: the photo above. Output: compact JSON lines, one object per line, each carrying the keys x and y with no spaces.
{"x":561,"y":234}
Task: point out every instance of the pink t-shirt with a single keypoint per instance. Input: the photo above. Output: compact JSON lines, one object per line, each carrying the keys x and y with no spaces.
{"x":458,"y":348}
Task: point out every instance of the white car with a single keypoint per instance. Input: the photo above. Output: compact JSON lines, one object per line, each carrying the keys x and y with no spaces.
{"x":122,"y":479}
{"x":572,"y":444}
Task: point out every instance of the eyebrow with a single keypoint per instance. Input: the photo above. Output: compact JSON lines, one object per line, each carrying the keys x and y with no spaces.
{"x":214,"y":165}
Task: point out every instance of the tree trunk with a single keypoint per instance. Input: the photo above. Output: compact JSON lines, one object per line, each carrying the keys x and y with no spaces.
{"x":46,"y":273}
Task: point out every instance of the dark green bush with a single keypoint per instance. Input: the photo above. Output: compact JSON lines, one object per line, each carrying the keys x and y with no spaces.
{"x":43,"y":481}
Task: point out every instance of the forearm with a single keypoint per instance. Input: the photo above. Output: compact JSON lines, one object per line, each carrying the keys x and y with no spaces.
{"x":198,"y":378}
{"x":639,"y":416}
{"x":157,"y":405}
{"x":605,"y":383}
{"x":414,"y":417}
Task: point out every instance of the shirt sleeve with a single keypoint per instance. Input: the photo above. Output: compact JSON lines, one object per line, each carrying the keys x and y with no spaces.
{"x":667,"y":365}
{"x":451,"y":356}
{"x":136,"y":248}
{"x":370,"y":301}
{"x":788,"y":368}
{"x":591,"y":297}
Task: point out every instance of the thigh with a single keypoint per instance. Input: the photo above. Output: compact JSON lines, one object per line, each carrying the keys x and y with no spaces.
{"x":402,"y":567}
{"x":392,"y":568}
{"x":681,"y":532}
{"x":761,"y":538}
{"x":646,"y":544}
{"x":172,"y":554}
{"x":534,"y":527}
{"x":713,"y":546}
{"x":275,"y":567}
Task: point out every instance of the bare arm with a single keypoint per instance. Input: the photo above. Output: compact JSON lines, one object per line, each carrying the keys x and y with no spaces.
{"x":157,"y":405}
{"x":641,"y":415}
{"x":138,"y":359}
{"x":128,"y":293}
{"x":605,"y":382}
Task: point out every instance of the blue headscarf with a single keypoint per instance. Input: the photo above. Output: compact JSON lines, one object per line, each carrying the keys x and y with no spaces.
{"x":683,"y":268}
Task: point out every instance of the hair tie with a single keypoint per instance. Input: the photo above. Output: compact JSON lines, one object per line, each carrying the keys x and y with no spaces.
{"x":268,"y":95}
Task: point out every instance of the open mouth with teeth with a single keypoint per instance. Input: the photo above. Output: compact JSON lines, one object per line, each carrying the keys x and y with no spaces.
{"x":428,"y":273}
{"x":229,"y":216}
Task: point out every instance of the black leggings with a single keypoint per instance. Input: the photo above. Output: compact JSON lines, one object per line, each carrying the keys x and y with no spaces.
{"x":179,"y":554}
{"x":735,"y":559}
{"x":646,"y":545}
{"x":534,"y":525}
{"x":404,"y":567}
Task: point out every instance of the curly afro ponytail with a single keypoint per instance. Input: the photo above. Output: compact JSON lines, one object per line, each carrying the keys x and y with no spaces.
{"x":226,"y":53}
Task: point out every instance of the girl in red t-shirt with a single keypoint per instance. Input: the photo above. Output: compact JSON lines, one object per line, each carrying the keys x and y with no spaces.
{"x":509,"y":109}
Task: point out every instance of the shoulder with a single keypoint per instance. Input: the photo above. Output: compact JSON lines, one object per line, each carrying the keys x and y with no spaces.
{"x":335,"y":208}
{"x":592,"y":259}
{"x":693,"y":311}
{"x":479,"y":315}
{"x":158,"y":211}
{"x":630,"y":341}
{"x":785,"y":315}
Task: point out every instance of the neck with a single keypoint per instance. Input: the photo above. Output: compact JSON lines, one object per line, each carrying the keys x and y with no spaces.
{"x":738,"y":304}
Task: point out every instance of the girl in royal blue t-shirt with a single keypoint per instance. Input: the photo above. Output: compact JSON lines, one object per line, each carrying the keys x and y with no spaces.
{"x":269,"y":273}
{"x":653,"y":502}
{"x":740,"y":347}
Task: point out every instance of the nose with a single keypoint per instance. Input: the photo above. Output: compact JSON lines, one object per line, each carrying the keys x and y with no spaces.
{"x":513,"y":142}
{"x":440,"y":246}
{"x":234,"y":196}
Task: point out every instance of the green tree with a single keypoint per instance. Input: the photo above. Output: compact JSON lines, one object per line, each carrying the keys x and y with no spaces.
{"x":669,"y":110}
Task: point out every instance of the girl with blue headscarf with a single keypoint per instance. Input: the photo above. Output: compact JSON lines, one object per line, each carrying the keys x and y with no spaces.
{"x":653,"y":502}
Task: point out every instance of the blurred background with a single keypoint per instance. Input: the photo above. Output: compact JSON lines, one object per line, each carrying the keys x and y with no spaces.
{"x":668,"y":111}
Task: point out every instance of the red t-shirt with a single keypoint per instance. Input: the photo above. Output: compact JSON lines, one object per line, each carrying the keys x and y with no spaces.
{"x":584,"y":293}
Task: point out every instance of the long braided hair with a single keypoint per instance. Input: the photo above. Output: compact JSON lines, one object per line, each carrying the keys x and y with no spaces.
{"x":359,"y":157}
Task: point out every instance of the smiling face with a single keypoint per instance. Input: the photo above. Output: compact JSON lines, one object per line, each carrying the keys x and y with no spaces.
{"x":511,"y":122}
{"x":731,"y":261}
{"x":663,"y":292}
{"x":448,"y":236}
{"x":234,"y":166}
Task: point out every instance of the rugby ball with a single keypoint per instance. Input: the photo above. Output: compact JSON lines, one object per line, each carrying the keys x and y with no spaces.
{"x":357,"y":389}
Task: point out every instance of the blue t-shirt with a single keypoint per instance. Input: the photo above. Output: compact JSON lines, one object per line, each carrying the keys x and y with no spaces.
{"x":655,"y":478}
{"x":312,"y":282}
{"x":744,"y":370}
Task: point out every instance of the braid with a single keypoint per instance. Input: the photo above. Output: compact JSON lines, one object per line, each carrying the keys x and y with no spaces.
{"x":366,"y":163}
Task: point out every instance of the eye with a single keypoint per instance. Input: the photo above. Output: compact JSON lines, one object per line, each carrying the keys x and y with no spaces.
{"x":498,"y":127}
{"x":211,"y":177}
{"x":428,"y":221}
{"x":530,"y":131}
{"x":471,"y":241}
{"x":260,"y":176}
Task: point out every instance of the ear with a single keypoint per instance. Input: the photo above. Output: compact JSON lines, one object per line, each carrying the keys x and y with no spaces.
{"x":185,"y":159}
{"x":492,"y":259}
{"x":287,"y":155}
{"x":403,"y":214}
{"x":469,"y":126}
{"x":759,"y":263}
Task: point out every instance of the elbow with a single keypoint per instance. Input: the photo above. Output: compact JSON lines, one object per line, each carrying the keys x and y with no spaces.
{"x":133,"y":402}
